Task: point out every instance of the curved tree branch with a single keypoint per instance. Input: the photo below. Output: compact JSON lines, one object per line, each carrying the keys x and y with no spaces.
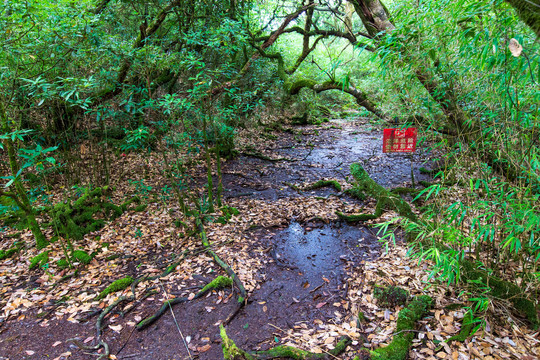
{"x":359,"y":95}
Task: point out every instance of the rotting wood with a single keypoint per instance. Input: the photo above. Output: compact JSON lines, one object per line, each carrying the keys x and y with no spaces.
{"x":385,"y":199}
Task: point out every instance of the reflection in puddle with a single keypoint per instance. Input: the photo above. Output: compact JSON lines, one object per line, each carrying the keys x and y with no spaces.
{"x":322,"y":251}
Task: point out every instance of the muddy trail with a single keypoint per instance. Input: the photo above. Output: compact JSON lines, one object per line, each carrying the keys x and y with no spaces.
{"x":303,"y":266}
{"x":311,"y":153}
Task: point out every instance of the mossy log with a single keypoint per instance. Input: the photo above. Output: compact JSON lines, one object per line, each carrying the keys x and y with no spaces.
{"x":363,"y":184}
{"x":398,"y":349}
{"x":233,"y":352}
{"x":501,"y":289}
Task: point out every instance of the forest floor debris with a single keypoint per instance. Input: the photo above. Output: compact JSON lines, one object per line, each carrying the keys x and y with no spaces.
{"x":287,"y":304}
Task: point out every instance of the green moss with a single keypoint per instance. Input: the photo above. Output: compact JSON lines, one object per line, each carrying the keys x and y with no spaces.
{"x":390,"y":296}
{"x":323,"y":183}
{"x":365,"y":185}
{"x":117,"y":285}
{"x":467,"y":327}
{"x":218,"y":283}
{"x":39,"y":260}
{"x":361,"y":317}
{"x":82,"y":256}
{"x":230,"y":350}
{"x":5,"y":254}
{"x":356,"y":193}
{"x":398,"y":349}
{"x":140,"y":207}
{"x":404,"y":190}
{"x":502,"y":290}
{"x":290,"y":352}
{"x":87,"y":214}
{"x":126,"y":204}
{"x":356,"y":217}
{"x":295,"y":87}
{"x":62,"y":264}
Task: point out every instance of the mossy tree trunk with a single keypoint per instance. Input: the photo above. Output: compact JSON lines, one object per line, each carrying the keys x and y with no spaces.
{"x":19,"y":195}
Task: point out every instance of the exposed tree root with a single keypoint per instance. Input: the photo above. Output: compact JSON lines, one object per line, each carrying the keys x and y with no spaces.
{"x":385,"y":199}
{"x":324,"y":183}
{"x":217,"y":283}
{"x":467,"y":327}
{"x":99,"y":342}
{"x":261,"y":156}
{"x":232,"y":352}
{"x":398,"y":349}
{"x":243,"y":294}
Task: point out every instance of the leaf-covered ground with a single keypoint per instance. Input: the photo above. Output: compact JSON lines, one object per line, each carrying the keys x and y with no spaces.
{"x":295,"y":298}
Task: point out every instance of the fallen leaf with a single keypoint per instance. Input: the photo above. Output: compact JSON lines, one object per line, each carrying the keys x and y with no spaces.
{"x":116,"y":328}
{"x":320,"y":305}
{"x":515,"y":47}
{"x":88,"y":339}
{"x":204,"y":348}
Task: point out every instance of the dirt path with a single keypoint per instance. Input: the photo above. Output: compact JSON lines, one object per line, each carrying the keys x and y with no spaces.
{"x":299,"y":266}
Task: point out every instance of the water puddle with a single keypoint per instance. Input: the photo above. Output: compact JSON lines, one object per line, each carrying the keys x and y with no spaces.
{"x":325,"y":249}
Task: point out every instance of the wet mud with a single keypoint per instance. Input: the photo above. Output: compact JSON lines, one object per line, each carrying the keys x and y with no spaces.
{"x":304,"y":280}
{"x":316,"y":152}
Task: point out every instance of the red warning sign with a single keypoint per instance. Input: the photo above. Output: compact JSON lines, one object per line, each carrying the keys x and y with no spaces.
{"x":399,"y":140}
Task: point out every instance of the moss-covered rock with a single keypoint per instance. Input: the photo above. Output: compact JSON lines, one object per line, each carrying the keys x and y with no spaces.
{"x":117,"y":285}
{"x":88,"y":213}
{"x":39,"y":260}
{"x":390,"y":296}
{"x":398,"y":349}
